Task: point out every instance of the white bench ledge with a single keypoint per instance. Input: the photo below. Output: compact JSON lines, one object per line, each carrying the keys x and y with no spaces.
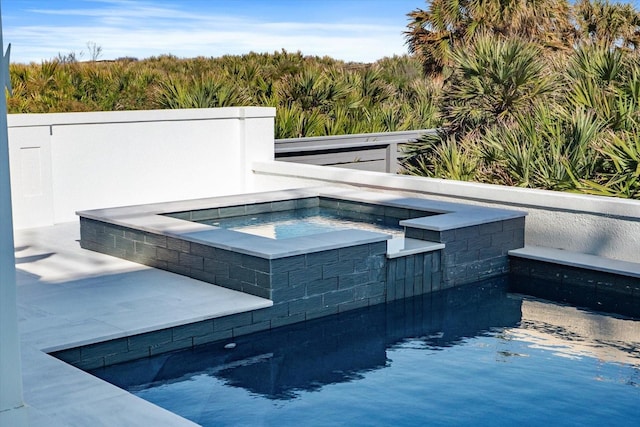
{"x":403,"y":246}
{"x":576,"y":259}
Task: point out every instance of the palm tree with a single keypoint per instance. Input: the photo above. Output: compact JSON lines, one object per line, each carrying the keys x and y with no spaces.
{"x":434,"y":33}
{"x":608,"y":24}
{"x":492,"y":81}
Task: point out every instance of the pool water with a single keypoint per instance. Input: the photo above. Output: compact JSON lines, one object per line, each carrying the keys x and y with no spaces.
{"x":476,"y":355}
{"x":305,"y":222}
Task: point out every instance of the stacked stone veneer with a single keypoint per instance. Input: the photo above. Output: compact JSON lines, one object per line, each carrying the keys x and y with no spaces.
{"x":341,"y":276}
{"x":387,"y":215}
{"x":302,"y":287}
{"x":606,"y":291}
{"x":413,"y":275}
{"x":476,"y":252}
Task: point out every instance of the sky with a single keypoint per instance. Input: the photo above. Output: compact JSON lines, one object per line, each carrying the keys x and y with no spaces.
{"x":351,"y":30}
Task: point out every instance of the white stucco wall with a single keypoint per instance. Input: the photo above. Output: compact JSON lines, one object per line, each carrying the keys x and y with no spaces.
{"x":602,"y":226}
{"x":61,"y":163}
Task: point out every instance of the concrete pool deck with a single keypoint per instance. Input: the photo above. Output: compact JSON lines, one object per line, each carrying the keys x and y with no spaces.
{"x":68,"y":296}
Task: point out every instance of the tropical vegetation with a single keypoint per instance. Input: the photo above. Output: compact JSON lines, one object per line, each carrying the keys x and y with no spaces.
{"x":531,"y":93}
{"x":313,"y":95}
{"x":535,"y":93}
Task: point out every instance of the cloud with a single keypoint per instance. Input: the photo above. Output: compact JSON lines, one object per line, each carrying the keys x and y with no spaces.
{"x":143,"y":29}
{"x":128,"y":9}
{"x":186,"y":43}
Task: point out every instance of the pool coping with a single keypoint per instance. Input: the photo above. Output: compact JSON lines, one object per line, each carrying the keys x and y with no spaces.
{"x":407,"y":246}
{"x":578,"y":260}
{"x":152,"y":218}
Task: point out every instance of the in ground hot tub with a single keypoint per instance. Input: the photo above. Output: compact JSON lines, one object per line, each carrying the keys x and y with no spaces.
{"x":307,"y":221}
{"x":369,"y":247}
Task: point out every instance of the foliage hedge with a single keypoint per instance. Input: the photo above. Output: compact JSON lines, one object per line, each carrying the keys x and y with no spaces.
{"x":313,"y":95}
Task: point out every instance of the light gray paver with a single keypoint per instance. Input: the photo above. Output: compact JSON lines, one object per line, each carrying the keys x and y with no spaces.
{"x":68,"y":296}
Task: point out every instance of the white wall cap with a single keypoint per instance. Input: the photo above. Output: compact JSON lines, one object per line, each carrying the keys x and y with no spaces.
{"x":523,"y":197}
{"x":106,"y":117}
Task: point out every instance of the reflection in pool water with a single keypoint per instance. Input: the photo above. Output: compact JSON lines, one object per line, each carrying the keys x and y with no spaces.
{"x":475,"y":355}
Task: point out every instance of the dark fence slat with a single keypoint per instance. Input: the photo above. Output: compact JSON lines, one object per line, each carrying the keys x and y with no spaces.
{"x":368,"y":151}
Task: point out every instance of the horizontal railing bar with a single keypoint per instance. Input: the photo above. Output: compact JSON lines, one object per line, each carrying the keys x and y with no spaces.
{"x":394,"y":134}
{"x":335,"y":147}
{"x":317,"y":143}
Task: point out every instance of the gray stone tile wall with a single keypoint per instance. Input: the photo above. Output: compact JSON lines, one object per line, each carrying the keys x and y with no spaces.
{"x":248,"y":209}
{"x":477,"y":252}
{"x":579,"y":286}
{"x":355,"y":210}
{"x":347,"y":277}
{"x":229,"y":269}
{"x":278,"y":279}
{"x":162,"y":341}
{"x":302,"y":287}
{"x":413,"y":275}
{"x":328,"y":282}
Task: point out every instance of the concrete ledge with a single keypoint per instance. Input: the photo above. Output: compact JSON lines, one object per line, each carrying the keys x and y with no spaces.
{"x":513,"y":196}
{"x":61,"y":119}
{"x":579,"y":260}
{"x":406,"y":246}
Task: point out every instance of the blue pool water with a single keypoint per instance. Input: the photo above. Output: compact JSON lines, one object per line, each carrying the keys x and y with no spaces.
{"x":305,"y":222}
{"x":470,"y":356}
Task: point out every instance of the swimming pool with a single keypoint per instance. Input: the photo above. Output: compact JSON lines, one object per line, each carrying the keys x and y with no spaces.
{"x":473,"y":355}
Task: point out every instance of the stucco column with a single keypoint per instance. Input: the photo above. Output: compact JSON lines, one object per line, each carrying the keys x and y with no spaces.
{"x":12,"y":409}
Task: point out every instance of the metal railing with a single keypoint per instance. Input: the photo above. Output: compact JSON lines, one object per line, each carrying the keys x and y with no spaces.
{"x":377,"y":152}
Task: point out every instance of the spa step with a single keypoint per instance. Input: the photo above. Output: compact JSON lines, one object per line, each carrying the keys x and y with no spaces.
{"x":403,"y":246}
{"x":576,"y":259}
